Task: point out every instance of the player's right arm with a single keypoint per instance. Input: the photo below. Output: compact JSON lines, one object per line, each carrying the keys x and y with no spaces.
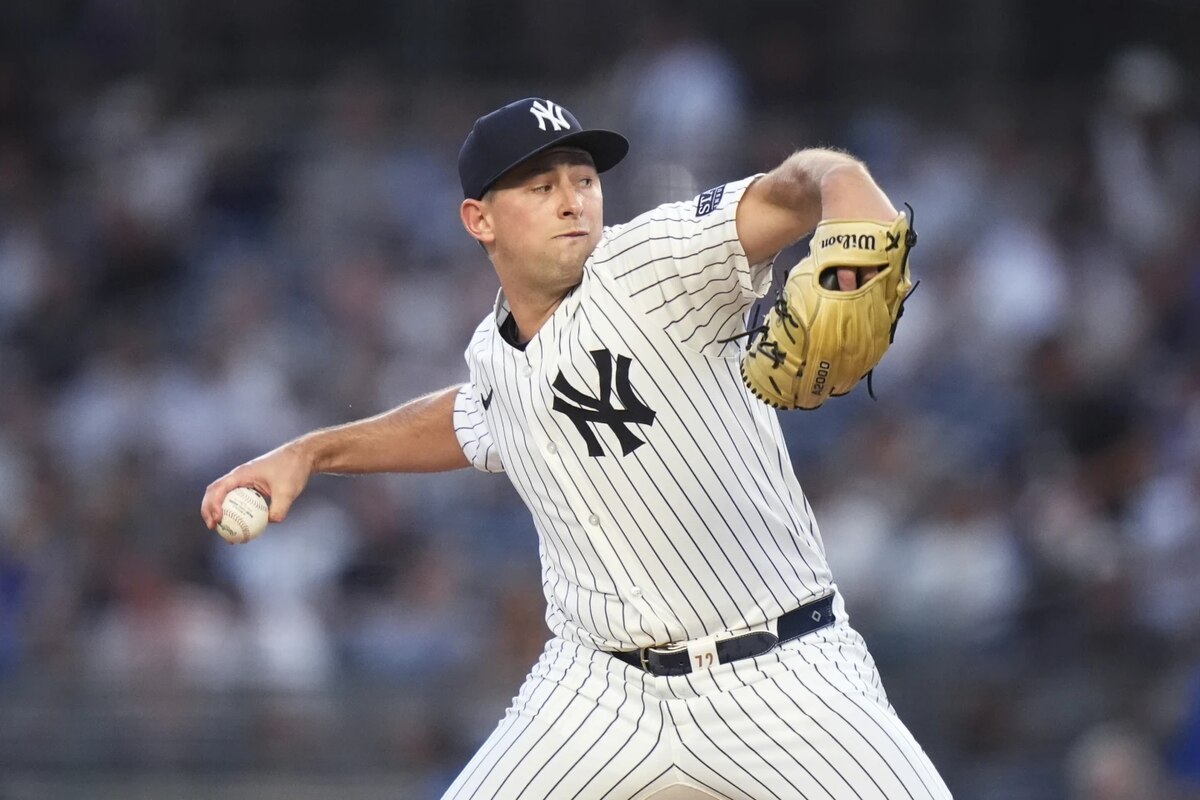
{"x":418,"y":436}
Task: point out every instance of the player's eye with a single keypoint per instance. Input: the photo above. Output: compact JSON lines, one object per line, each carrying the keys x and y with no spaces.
{"x":587,"y":181}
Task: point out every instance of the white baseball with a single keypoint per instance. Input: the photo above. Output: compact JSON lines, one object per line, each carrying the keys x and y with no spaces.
{"x":243,"y":515}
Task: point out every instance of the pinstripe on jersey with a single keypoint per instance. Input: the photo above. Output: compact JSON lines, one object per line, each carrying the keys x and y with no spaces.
{"x":689,"y":521}
{"x":807,"y":720}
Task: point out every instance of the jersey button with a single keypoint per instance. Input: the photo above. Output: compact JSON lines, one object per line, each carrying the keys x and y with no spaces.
{"x":552,"y":448}
{"x":636,"y":591}
{"x":594,"y":520}
{"x":526,"y":371}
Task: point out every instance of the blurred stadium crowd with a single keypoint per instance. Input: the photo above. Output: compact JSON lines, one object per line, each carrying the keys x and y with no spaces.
{"x":199,"y":263}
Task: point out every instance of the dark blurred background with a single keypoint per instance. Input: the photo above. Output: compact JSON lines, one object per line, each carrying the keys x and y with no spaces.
{"x":223,"y":223}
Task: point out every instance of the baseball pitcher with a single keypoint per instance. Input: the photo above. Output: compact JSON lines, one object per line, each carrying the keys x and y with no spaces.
{"x":700,"y":647}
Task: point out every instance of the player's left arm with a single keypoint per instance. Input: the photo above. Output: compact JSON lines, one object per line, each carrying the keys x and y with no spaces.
{"x":812,"y":185}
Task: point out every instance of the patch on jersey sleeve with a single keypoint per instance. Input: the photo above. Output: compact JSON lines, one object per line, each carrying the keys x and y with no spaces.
{"x":708,"y":201}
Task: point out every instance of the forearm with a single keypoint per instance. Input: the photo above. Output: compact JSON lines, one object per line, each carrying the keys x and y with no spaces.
{"x":810,"y":186}
{"x":415,"y":437}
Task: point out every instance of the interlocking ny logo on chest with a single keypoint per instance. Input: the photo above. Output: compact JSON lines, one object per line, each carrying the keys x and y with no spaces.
{"x":585,"y":411}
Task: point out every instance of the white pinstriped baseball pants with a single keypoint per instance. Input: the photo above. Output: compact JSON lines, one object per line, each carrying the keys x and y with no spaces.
{"x":808,"y":720}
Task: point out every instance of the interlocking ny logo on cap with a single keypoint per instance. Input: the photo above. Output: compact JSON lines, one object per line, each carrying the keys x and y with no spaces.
{"x":549,"y":112}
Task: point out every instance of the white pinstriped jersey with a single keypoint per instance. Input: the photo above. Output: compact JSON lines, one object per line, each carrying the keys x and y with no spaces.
{"x":662,"y":491}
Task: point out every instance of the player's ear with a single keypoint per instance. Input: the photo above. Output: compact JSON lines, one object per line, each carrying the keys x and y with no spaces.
{"x":477,"y":220}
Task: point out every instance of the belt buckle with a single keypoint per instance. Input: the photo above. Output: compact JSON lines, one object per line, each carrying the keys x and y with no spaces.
{"x":665,"y":650}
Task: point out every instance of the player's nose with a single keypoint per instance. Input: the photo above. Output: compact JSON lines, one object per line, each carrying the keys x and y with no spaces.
{"x":570,"y":200}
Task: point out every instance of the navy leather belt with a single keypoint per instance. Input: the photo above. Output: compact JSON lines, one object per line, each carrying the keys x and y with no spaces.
{"x":678,"y":659}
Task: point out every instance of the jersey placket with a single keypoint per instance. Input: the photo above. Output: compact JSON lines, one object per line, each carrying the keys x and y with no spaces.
{"x":593,"y":512}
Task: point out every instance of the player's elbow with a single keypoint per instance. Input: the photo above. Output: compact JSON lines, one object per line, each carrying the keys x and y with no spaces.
{"x":844,"y":174}
{"x":816,"y":164}
{"x":798,"y":181}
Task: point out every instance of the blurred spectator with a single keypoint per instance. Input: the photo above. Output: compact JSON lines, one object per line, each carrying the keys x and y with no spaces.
{"x":156,"y":634}
{"x":1147,"y":150}
{"x":680,"y":97}
{"x":283,"y":582}
{"x":1164,"y":544}
{"x":1111,"y":762}
{"x":960,"y":566}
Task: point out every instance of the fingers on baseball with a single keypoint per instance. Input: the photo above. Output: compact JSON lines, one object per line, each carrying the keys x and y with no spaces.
{"x":210,"y":506}
{"x":214,"y":496}
{"x":277,"y":506}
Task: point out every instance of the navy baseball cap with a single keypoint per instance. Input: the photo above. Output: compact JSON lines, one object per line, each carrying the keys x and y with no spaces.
{"x":504,"y":138}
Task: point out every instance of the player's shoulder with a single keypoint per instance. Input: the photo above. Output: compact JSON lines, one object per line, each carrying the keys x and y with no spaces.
{"x":644,"y":223}
{"x":621,"y":241}
{"x":679,"y":219}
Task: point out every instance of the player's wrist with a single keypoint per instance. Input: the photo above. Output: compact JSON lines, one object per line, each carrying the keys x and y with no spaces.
{"x":308,"y":453}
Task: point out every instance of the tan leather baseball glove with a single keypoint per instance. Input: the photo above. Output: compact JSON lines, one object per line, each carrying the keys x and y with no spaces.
{"x":817,"y":341}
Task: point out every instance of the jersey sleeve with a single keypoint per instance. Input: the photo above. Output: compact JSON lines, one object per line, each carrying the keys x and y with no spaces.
{"x":683,"y":264}
{"x":470,"y":426}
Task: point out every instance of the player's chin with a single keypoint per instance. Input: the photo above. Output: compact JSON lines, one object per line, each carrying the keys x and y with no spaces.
{"x":565,"y":272}
{"x":572,"y":252}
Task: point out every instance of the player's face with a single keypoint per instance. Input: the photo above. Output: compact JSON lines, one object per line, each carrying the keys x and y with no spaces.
{"x":546,"y":217}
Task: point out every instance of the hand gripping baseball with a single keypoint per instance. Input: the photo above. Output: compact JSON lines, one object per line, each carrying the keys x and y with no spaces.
{"x":280,"y":475}
{"x":817,"y":341}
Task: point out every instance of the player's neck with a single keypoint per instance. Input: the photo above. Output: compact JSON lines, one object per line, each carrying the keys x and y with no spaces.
{"x":534,"y":293}
{"x":530,"y":314}
{"x":532,"y":302}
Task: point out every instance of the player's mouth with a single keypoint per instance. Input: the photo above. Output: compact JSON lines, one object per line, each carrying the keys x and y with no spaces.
{"x":572,"y":235}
